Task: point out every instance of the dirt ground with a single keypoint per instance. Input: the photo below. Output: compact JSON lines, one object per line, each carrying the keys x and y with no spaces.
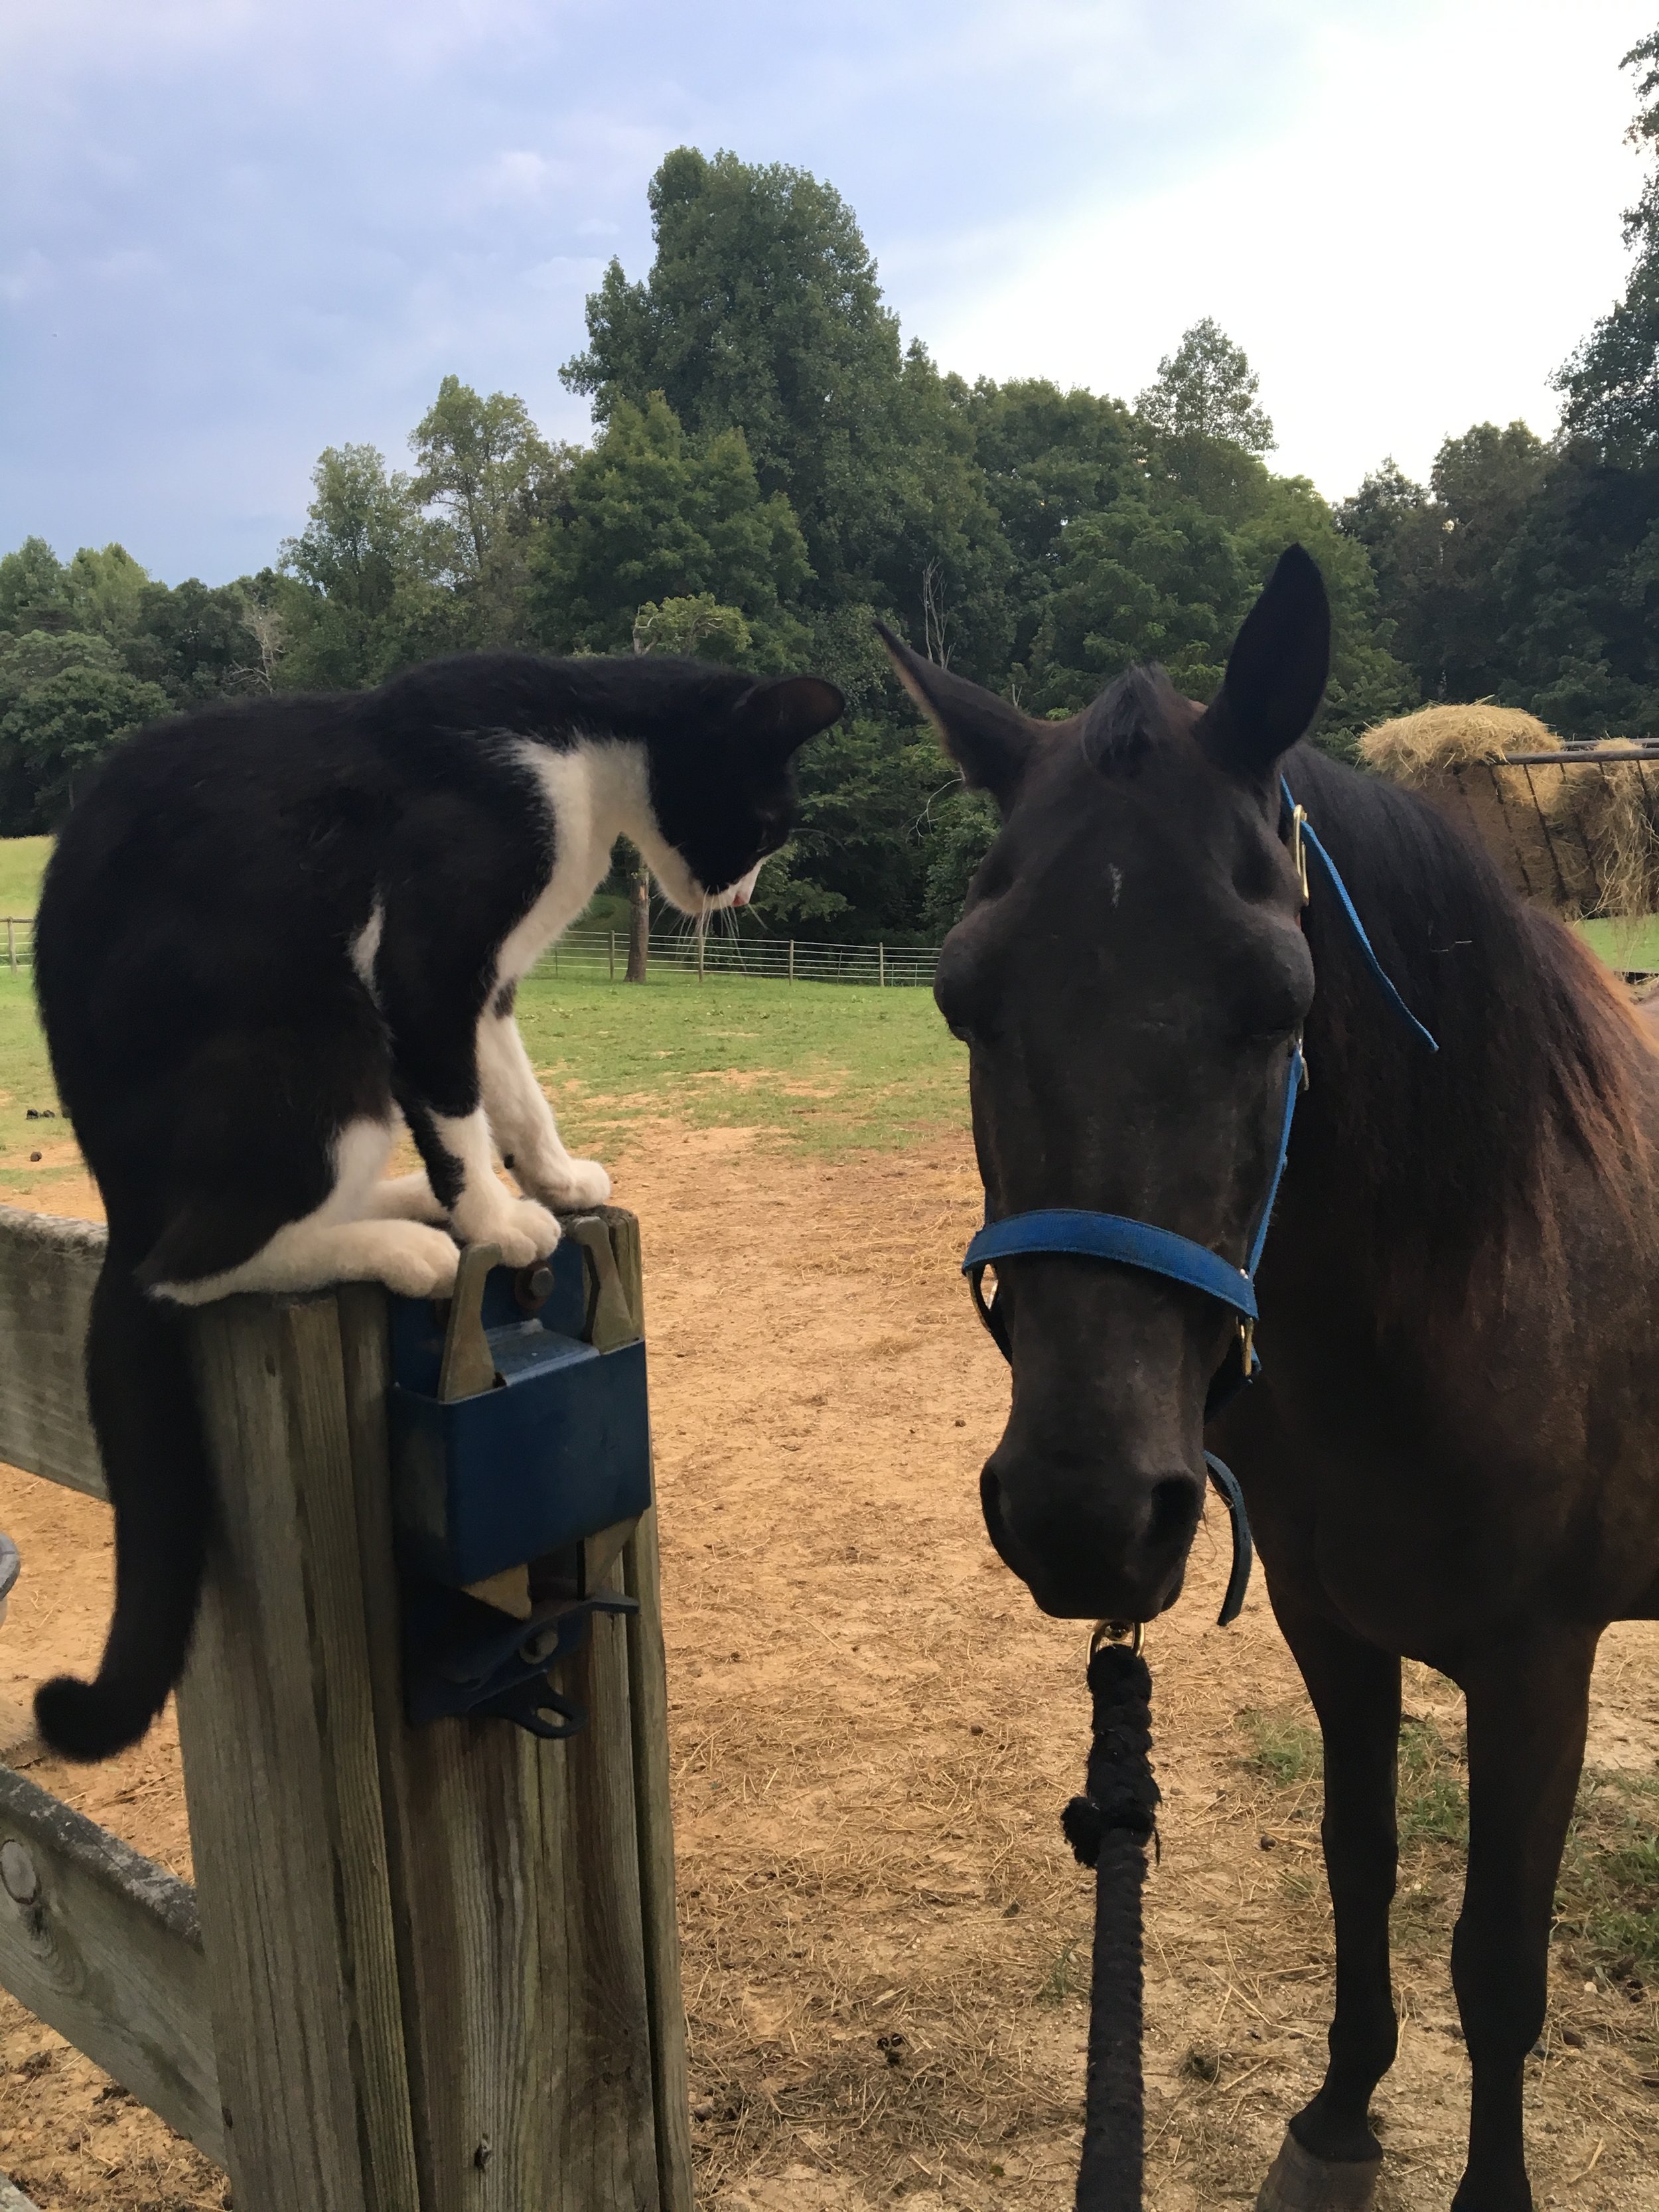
{"x":873,"y":1731}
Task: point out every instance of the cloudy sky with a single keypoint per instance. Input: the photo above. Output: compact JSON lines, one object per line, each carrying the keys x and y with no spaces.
{"x":235,"y":231}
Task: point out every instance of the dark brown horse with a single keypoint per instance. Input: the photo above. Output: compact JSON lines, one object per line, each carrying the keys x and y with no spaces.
{"x":1452,"y":1452}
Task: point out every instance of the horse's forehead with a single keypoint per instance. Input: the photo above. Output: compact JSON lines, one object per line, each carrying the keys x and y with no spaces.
{"x":1169,"y":795}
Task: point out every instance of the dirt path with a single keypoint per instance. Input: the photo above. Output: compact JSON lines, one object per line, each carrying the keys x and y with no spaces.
{"x":872,"y":1733}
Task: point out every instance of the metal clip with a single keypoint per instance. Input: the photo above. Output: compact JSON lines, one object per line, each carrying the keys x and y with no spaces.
{"x":1247,"y":1340}
{"x":1132,"y":1632}
{"x":612,"y":1323}
{"x":1299,"y":851}
{"x":468,"y":1365}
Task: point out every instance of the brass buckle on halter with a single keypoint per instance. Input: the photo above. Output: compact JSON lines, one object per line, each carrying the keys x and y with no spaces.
{"x":1246,"y":1342}
{"x":1299,"y":850}
{"x":1132,"y":1632}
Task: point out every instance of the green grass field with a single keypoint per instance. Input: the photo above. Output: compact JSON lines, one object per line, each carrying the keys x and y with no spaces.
{"x":824,"y":1066}
{"x":1625,"y":945}
{"x":22,"y":863}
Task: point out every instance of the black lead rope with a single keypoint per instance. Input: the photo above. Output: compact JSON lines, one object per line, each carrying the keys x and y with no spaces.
{"x":1109,"y":1828}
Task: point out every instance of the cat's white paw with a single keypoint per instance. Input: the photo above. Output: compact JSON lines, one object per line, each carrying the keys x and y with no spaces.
{"x":415,"y":1261}
{"x":574,"y":1186}
{"x":405,"y":1198}
{"x":524,"y":1230}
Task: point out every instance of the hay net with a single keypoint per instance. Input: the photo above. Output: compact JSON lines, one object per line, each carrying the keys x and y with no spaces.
{"x":1582,"y":840}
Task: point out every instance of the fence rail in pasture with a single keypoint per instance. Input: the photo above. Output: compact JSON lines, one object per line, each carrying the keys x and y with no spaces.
{"x":600,"y":952}
{"x":782,"y":959}
{"x":434,"y":1966}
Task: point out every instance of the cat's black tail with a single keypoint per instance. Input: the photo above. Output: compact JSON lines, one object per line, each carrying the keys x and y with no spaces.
{"x":143,"y":1410}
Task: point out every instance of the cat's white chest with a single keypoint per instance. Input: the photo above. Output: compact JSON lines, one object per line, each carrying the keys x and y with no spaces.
{"x":590,"y":790}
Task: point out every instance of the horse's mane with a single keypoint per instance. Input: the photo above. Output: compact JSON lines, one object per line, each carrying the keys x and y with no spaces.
{"x":1539,"y":1050}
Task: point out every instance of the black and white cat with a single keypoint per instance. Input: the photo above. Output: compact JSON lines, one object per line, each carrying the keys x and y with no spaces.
{"x":273,"y":935}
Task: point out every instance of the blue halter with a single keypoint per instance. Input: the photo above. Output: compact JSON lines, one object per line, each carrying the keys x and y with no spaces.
{"x":1082,"y":1234}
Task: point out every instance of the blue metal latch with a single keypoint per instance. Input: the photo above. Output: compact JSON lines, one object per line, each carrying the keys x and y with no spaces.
{"x":521,"y":1459}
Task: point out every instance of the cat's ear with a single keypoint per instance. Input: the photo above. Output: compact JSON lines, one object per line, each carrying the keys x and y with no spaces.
{"x":782,"y":713}
{"x":990,"y":741}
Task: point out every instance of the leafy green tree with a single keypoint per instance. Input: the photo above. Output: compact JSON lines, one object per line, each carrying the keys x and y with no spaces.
{"x":1397,"y":522}
{"x":103,"y":587}
{"x":652,"y":514}
{"x":937,"y":555}
{"x":1484,"y":485}
{"x":488,"y":470}
{"x":1611,"y":384}
{"x":1206,"y":389}
{"x":1147,"y":578}
{"x":1159,"y":575}
{"x":368,"y":561}
{"x":1047,"y":457}
{"x":96,"y":592}
{"x":34,"y":657}
{"x":856,"y":866}
{"x":762,"y":313}
{"x":1579,"y":589}
{"x":196,"y":641}
{"x":32,"y":593}
{"x":699,"y":626}
{"x":963,"y":824}
{"x":58,"y":730}
{"x":1524,"y":571}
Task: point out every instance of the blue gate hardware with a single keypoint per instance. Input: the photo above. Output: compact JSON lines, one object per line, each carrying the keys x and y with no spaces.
{"x":521,"y":1459}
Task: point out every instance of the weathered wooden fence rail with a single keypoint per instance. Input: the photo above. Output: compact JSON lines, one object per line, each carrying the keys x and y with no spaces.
{"x":434,"y":1969}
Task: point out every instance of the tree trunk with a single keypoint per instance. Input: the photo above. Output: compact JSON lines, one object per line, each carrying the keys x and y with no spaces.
{"x":639,"y":925}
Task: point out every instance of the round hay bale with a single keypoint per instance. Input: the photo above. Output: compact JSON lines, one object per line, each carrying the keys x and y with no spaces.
{"x":1578,"y":840}
{"x":1454,"y":755}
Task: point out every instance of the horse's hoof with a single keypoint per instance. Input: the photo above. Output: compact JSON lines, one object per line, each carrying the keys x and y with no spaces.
{"x":1298,"y":2182}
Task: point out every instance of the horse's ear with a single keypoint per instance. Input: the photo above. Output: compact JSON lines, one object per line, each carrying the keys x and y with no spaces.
{"x":1276,"y":672}
{"x":990,"y":741}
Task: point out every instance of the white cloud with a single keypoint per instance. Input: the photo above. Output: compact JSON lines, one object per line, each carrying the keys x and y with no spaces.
{"x":1415,"y":247}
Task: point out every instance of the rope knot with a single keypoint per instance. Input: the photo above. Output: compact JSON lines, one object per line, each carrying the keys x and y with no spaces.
{"x":1120,"y":1794}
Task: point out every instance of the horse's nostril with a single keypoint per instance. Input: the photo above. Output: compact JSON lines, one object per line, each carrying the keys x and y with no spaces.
{"x":1174,"y":1511}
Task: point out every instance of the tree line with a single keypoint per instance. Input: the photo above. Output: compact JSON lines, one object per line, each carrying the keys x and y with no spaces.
{"x":773,"y":467}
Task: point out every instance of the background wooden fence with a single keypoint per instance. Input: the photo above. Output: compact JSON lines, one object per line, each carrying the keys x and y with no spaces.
{"x":420,"y":1971}
{"x":601,"y":952}
{"x":715,"y":952}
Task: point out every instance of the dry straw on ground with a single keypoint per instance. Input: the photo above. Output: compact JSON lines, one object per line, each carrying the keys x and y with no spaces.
{"x":1580,"y":839}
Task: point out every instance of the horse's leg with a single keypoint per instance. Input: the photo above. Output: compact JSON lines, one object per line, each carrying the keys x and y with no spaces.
{"x":1330,"y":2157}
{"x":1527,"y":1704}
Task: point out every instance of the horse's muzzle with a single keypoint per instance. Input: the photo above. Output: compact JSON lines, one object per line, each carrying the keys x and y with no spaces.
{"x":1092,"y":1544}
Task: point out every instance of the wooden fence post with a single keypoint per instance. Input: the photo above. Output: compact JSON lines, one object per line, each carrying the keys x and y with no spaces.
{"x":532,"y":1887}
{"x":282,"y":1778}
{"x":11,"y":944}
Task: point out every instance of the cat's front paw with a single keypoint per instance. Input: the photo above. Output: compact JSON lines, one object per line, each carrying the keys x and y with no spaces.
{"x":523,"y":1230}
{"x":415,"y":1261}
{"x":574,"y":1186}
